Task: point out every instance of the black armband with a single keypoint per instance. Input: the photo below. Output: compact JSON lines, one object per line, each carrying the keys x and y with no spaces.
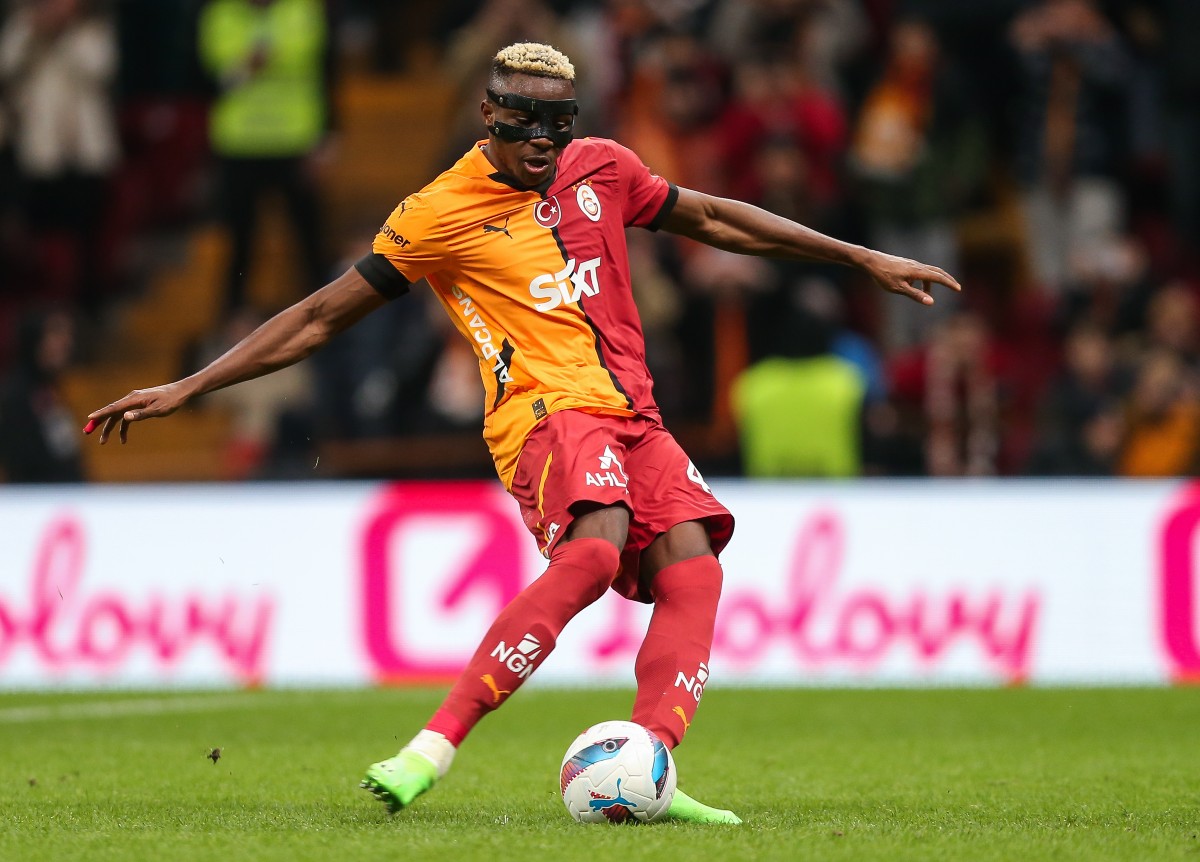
{"x":381,"y":275}
{"x":665,"y":209}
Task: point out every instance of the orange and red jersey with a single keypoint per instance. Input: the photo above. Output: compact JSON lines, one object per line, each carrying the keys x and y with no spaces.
{"x":538,"y":282}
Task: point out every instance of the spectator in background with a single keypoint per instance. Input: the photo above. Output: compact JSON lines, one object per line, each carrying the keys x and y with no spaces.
{"x":58,"y":59}
{"x":799,"y":406}
{"x":962,"y":399}
{"x":782,"y":137}
{"x":1069,"y":141}
{"x":270,"y":123}
{"x":1162,"y":418}
{"x":630,"y":53}
{"x":1081,"y":426}
{"x":39,"y":441}
{"x":918,"y":158}
{"x":1110,"y":286}
{"x":672,"y":110}
{"x":13,"y":259}
{"x":162,"y":108}
{"x":821,"y":35}
{"x":1180,"y":33}
{"x":950,"y":389}
{"x":799,"y":417}
{"x":1172,"y":321}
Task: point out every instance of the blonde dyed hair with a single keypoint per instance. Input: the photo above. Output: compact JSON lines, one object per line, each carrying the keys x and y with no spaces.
{"x":532,"y":58}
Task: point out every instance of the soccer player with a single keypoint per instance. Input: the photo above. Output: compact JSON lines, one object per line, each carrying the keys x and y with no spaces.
{"x":523,"y":242}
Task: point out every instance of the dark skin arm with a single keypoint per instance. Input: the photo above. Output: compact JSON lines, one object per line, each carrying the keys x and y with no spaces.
{"x":746,"y":229}
{"x":284,"y":340}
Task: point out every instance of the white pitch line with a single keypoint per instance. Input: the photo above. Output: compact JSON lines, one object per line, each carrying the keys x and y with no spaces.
{"x":120,"y":708}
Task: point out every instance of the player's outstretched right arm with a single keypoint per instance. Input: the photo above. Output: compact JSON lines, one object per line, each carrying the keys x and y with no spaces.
{"x":285,"y":339}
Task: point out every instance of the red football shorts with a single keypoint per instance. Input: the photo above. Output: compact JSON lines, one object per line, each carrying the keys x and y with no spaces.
{"x":573,"y":457}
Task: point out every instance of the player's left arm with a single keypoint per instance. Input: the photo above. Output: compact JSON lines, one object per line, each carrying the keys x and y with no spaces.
{"x":285,"y":339}
{"x":746,"y":229}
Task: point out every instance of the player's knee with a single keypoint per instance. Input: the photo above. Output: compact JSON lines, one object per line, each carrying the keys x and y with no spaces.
{"x":590,"y":559}
{"x":699,"y":576}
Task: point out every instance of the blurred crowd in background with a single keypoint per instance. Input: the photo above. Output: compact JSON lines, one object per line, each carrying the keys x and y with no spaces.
{"x":1045,"y":152}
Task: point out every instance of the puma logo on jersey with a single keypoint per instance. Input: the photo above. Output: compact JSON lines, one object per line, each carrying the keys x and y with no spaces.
{"x":491,"y":228}
{"x":568,"y":285}
{"x":678,"y":710}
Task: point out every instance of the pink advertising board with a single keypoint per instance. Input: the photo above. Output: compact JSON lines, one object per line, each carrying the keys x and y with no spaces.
{"x":873,"y":583}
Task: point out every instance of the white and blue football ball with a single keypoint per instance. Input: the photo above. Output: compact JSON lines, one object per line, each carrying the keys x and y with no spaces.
{"x":617,"y":772}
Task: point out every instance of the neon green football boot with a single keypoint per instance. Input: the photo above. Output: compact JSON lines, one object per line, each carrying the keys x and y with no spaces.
{"x":397,"y":781}
{"x":683,"y":807}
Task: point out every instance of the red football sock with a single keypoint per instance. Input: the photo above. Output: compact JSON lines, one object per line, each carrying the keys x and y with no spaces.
{"x":672,"y":665}
{"x":525,"y":632}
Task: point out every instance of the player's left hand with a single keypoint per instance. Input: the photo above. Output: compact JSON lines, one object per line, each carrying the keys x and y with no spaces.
{"x":907,"y":277}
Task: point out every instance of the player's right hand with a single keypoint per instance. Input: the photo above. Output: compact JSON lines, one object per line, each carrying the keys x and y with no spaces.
{"x":137,"y":405}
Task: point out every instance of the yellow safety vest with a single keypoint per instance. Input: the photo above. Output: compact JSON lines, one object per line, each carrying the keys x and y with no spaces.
{"x":280,"y":110}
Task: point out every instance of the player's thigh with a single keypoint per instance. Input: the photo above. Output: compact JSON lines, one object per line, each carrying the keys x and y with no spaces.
{"x":571,"y":468}
{"x":675,"y":514}
{"x":596,"y":521}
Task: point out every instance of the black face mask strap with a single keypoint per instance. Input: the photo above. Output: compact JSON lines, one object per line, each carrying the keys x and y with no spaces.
{"x":546,"y":111}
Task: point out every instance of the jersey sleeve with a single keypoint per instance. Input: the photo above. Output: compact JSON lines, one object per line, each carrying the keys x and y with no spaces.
{"x":410,"y":245}
{"x":647,"y":198}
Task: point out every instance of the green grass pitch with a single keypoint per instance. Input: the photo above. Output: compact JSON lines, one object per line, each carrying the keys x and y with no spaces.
{"x":943,"y":774}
